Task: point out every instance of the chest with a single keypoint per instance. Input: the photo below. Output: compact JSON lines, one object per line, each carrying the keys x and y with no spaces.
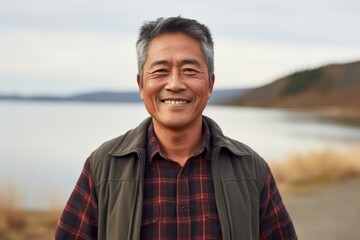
{"x":179,"y":202}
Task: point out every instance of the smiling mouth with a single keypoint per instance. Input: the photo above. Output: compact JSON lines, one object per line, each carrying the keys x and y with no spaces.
{"x":175,"y":102}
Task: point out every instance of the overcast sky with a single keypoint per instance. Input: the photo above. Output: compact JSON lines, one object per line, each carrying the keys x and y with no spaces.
{"x":71,"y":46}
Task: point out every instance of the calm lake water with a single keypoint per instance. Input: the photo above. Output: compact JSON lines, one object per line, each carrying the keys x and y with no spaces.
{"x":43,"y":146}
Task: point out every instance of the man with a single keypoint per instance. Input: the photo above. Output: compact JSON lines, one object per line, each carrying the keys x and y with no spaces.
{"x":175,"y":176}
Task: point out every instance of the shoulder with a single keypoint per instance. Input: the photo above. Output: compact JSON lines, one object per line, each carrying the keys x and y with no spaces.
{"x":236,"y":159}
{"x":219,"y":140}
{"x":130,"y":143}
{"x":245,"y":161}
{"x":240,"y":148}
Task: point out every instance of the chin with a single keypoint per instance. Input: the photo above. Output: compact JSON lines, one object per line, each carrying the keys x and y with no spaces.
{"x":176,"y":122}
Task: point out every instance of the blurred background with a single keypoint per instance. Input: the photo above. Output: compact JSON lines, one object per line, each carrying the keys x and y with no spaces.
{"x":287,"y":84}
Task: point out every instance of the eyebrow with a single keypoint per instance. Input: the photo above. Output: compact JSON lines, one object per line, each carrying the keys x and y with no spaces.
{"x":183,"y":62}
{"x":160,"y":62}
{"x":190,"y":61}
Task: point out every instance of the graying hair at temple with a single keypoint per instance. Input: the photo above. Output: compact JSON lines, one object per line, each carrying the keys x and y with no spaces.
{"x":152,"y":29}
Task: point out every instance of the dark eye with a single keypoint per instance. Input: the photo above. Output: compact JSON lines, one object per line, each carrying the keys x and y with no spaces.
{"x":189,"y":71}
{"x":161,"y":71}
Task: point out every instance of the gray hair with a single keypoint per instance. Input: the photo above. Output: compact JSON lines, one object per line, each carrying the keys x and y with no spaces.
{"x":190,"y":27}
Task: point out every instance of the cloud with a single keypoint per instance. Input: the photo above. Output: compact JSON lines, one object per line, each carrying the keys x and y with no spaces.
{"x":89,"y":60}
{"x":70,"y":46}
{"x":63,"y":62}
{"x":251,"y":63}
{"x":322,"y":21}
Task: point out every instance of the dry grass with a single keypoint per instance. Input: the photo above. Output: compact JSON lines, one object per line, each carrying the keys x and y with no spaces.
{"x":303,"y":172}
{"x":22,"y":224}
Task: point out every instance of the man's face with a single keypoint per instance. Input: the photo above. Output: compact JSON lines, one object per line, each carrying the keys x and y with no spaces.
{"x":175,"y":85}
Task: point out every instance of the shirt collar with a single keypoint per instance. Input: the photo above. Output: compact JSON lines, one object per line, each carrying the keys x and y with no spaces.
{"x":153,"y":146}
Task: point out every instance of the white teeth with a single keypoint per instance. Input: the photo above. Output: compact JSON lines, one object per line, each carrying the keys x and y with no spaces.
{"x":175,"y":102}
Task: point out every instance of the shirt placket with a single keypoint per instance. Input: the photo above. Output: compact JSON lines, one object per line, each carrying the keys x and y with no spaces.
{"x":183,"y":206}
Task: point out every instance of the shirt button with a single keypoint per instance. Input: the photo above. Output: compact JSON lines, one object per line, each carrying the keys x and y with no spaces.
{"x":183,"y":209}
{"x":182,"y":175}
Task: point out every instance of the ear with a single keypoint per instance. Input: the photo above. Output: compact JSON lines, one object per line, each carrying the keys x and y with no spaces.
{"x":211,"y":84}
{"x":140,"y":85}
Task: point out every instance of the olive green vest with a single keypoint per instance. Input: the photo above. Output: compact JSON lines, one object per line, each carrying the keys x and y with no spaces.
{"x":118,"y":166}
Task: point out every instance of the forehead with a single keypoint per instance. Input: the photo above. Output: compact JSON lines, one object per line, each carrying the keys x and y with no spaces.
{"x":174,"y":44}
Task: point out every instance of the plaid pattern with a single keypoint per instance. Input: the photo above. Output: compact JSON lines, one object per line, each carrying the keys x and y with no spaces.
{"x":275,"y":222}
{"x":179,"y":203}
{"x":79,"y":219}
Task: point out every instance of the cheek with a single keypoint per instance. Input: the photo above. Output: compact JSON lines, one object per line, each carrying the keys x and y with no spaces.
{"x":201,"y":88}
{"x":151,"y":89}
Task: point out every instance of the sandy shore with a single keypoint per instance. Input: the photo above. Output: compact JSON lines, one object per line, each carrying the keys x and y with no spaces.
{"x":331,"y":213}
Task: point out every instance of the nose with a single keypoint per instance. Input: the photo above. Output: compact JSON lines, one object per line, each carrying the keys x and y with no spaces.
{"x":175,"y":83}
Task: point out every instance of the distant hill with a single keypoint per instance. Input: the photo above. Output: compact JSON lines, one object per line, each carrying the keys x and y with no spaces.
{"x":97,"y":96}
{"x":110,"y":96}
{"x":222,"y":95}
{"x":107,"y":96}
{"x":336,"y":85}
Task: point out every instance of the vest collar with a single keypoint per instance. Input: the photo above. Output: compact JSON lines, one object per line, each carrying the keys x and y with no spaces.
{"x":135,"y":140}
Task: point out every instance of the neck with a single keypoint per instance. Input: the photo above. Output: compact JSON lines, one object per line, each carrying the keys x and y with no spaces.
{"x":179,"y":145}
